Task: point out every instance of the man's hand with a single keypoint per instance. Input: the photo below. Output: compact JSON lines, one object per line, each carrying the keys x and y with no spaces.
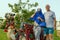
{"x":54,"y":27}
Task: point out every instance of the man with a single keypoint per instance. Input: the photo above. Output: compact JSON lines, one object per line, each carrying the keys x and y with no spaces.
{"x":38,"y":18}
{"x":50,"y":20}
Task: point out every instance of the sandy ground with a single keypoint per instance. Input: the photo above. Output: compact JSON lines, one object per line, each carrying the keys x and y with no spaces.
{"x":23,"y":38}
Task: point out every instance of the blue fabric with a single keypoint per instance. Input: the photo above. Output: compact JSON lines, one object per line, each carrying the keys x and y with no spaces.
{"x":35,"y":18}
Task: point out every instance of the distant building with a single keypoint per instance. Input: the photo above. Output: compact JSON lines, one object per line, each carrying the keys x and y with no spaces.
{"x":58,"y":25}
{"x":58,"y":28}
{"x":1,"y":19}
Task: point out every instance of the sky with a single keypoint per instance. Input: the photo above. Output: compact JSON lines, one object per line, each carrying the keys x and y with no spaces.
{"x":55,"y":6}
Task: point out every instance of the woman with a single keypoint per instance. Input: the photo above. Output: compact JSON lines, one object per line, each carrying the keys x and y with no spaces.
{"x":39,"y":22}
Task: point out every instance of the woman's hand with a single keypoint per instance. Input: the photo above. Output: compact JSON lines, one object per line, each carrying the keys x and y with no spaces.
{"x":40,"y":19}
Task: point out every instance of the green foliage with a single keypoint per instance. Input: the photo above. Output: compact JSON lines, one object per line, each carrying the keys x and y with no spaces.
{"x":36,"y":4}
{"x":3,"y":25}
{"x":10,"y":5}
{"x":27,"y":14}
{"x":23,"y":9}
{"x":17,"y":21}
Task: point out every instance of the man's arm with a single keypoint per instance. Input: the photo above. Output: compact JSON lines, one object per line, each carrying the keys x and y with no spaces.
{"x":54,"y":18}
{"x":54,"y":23}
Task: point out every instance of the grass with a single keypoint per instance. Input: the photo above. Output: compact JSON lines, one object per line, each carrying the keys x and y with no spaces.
{"x":55,"y":36}
{"x":4,"y":37}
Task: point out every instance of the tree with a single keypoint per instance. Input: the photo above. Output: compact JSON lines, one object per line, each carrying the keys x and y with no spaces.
{"x":23,"y":10}
{"x":3,"y":24}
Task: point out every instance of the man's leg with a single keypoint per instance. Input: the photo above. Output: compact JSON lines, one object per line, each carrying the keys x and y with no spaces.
{"x":46,"y":36}
{"x":50,"y":37}
{"x":51,"y":30}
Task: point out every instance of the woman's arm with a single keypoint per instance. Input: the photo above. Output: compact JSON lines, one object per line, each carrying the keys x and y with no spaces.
{"x":41,"y":19}
{"x":33,"y":15}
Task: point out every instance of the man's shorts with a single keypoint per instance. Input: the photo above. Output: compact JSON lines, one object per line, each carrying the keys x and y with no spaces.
{"x":48,"y":31}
